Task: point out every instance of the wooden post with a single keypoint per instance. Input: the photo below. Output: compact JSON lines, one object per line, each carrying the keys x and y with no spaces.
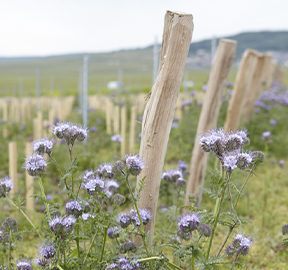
{"x":13,"y":166}
{"x":123,"y":131}
{"x":39,"y":125}
{"x":108,"y":116}
{"x":132,"y":128}
{"x":267,"y":72}
{"x":29,"y":183}
{"x":242,"y":84}
{"x":116,"y":120}
{"x":209,"y":115}
{"x":159,"y":111}
{"x":254,"y":90}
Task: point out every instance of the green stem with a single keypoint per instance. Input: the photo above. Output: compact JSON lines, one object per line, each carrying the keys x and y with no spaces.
{"x":226,"y":238}
{"x":104,"y":242}
{"x":9,"y":252}
{"x":217,"y":212}
{"x":135,"y":204}
{"x":57,"y":165}
{"x":193,"y":263}
{"x":59,"y":267}
{"x":90,"y":247}
{"x":44,"y":196}
{"x":28,"y":219}
{"x":149,"y":259}
{"x":77,"y":241}
{"x":235,"y":259}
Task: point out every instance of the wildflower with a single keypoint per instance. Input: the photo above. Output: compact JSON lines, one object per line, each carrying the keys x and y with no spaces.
{"x":229,"y":84}
{"x":172,"y":175}
{"x":113,"y":232}
{"x":273,"y":122}
{"x":182,"y":166}
{"x":183,"y":235}
{"x":189,"y":223}
{"x":233,"y":142}
{"x":204,"y":229}
{"x":105,"y":170}
{"x":110,"y":187}
{"x":285,"y":229}
{"x":257,"y":110}
{"x":212,"y":140}
{"x":88,"y":175}
{"x":281,"y":164}
{"x":266,"y":135}
{"x":62,"y":225}
{"x":116,"y":138}
{"x":241,"y":244}
{"x":112,"y":266}
{"x":35,"y":165}
{"x":24,"y":265}
{"x":118,"y":166}
{"x":42,"y":146}
{"x":124,"y":264}
{"x":85,"y":216}
{"x":243,"y":160}
{"x":94,"y":186}
{"x":229,"y":250}
{"x":204,"y":87}
{"x":124,"y":220}
{"x":180,"y":182}
{"x":118,"y":199}
{"x":10,"y":224}
{"x":70,"y":132}
{"x":128,"y":247}
{"x":74,"y":208}
{"x":175,"y":240}
{"x":134,"y":164}
{"x":47,"y":251}
{"x":6,"y":185}
{"x":258,"y":157}
{"x":93,"y":129}
{"x":186,"y":102}
{"x":174,"y":126}
{"x":41,"y":262}
{"x":230,"y":162}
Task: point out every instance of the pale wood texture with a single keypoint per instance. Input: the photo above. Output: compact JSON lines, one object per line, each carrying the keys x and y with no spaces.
{"x":39,"y":125}
{"x":132,"y":128}
{"x":242,"y":84}
{"x":29,"y":183}
{"x":254,"y":90}
{"x":108,"y":116}
{"x":159,"y":111}
{"x":209,"y":115}
{"x":267,"y":72}
{"x":278,"y":75}
{"x":13,"y":166}
{"x":123,"y":130}
{"x":116,"y":120}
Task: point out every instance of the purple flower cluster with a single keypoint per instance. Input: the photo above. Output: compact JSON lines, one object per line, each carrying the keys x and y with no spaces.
{"x":47,"y":251}
{"x":134,"y":164}
{"x":35,"y":164}
{"x":44,"y":145}
{"x":113,"y":232}
{"x":125,"y":219}
{"x":188,"y":222}
{"x":24,"y":265}
{"x":227,"y":146}
{"x":240,"y":245}
{"x":110,"y":187}
{"x":124,"y":264}
{"x":94,"y":185}
{"x":105,"y":170}
{"x":6,"y":185}
{"x":172,"y":175}
{"x":116,"y":138}
{"x":186,"y":102}
{"x":70,"y":132}
{"x":62,"y":225}
{"x":74,"y":208}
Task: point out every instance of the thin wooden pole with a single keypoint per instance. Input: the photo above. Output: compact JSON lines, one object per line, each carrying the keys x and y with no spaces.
{"x":267,"y":72}
{"x":132,"y":128}
{"x":242,"y":84}
{"x":209,"y":115}
{"x":29,"y":183}
{"x":116,"y":120}
{"x":159,"y":111}
{"x":123,"y":131}
{"x":13,"y":166}
{"x":108,"y":116}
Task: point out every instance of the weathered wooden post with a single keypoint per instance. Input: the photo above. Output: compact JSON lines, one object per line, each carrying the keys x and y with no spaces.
{"x":13,"y":166}
{"x":209,"y":115}
{"x":242,"y":84}
{"x":123,"y":131}
{"x":85,"y":92}
{"x":108,"y":116}
{"x":159,"y":111}
{"x":155,"y":59}
{"x":29,"y":183}
{"x":132,"y":128}
{"x":254,"y":90}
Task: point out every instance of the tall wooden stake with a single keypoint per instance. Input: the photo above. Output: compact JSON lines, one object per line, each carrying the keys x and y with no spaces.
{"x":29,"y":183}
{"x":132,"y":128}
{"x":159,"y":111}
{"x":123,"y":131}
{"x":85,"y":92}
{"x":13,"y":166}
{"x":209,"y":115}
{"x":242,"y":84}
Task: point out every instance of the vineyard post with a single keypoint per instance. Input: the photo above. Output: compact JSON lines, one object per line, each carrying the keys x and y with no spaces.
{"x":159,"y":111}
{"x":29,"y":183}
{"x":241,"y":87}
{"x":123,"y":130}
{"x":132,"y":128}
{"x":13,"y":166}
{"x":209,"y":114}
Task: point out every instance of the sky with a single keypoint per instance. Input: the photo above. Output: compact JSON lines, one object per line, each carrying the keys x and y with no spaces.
{"x":53,"y":27}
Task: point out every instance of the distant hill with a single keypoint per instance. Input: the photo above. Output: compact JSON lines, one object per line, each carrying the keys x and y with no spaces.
{"x":260,"y":41}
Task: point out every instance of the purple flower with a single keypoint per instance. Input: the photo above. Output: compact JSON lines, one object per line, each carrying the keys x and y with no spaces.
{"x":124,"y":264}
{"x":70,"y":132}
{"x":93,"y":129}
{"x":111,"y":187}
{"x":113,"y":232}
{"x":128,"y":247}
{"x":273,"y":122}
{"x":88,"y":175}
{"x":266,"y":135}
{"x":105,"y":170}
{"x":200,"y":104}
{"x":174,"y":126}
{"x":229,"y":84}
{"x":62,"y":225}
{"x":192,"y":93}
{"x":6,"y":185}
{"x":241,"y":244}
{"x":116,"y":138}
{"x":44,"y":145}
{"x":42,"y":262}
{"x":186,"y":102}
{"x":47,"y":251}
{"x":189,"y":222}
{"x":204,"y":229}
{"x":243,"y":160}
{"x":182,"y":166}
{"x":281,"y":164}
{"x":21,"y":127}
{"x":24,"y":265}
{"x":124,"y":220}
{"x":204,"y":87}
{"x":257,"y":110}
{"x":112,"y":266}
{"x":144,"y":214}
{"x":74,"y":208}
{"x":180,"y":182}
{"x":35,"y":165}
{"x":230,"y":162}
{"x":134,"y":164}
{"x":172,"y":175}
{"x":94,"y":185}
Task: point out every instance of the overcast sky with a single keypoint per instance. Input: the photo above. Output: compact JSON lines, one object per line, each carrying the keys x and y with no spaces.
{"x":49,"y":27}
